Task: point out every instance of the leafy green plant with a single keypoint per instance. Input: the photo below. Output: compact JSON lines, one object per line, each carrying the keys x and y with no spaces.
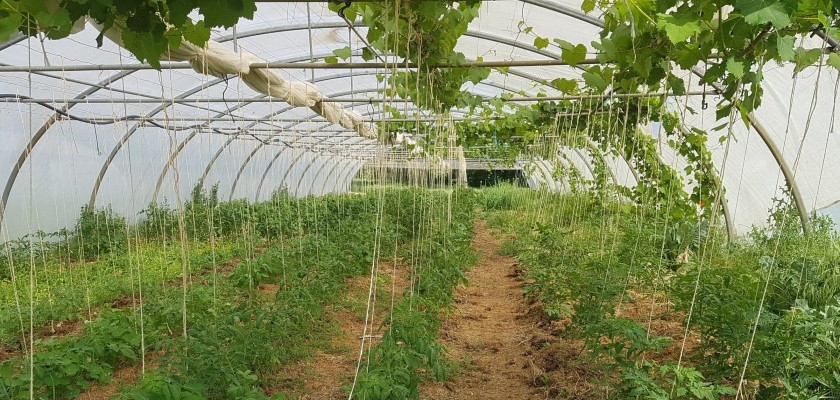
{"x":65,"y":367}
{"x":98,"y":232}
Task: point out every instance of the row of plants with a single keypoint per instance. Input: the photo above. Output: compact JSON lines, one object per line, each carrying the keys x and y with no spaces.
{"x":69,"y":274}
{"x":310,"y":271}
{"x":409,"y":351}
{"x":761,"y":312}
{"x":234,"y":335}
{"x":58,"y":293}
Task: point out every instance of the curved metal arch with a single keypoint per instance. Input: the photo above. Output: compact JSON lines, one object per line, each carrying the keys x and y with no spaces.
{"x":548,"y":177}
{"x":265,"y":174}
{"x":595,"y":152}
{"x":562,"y":9}
{"x":547,"y":5}
{"x":129,"y":133}
{"x":245,"y":163}
{"x":154,"y":112}
{"x":345,"y":164}
{"x":292,"y":166}
{"x":326,"y":179}
{"x":479,"y":35}
{"x":566,"y":160}
{"x":171,"y":161}
{"x":210,"y":164}
{"x":565,"y":10}
{"x":47,"y":124}
{"x":600,"y":154}
{"x":347,"y":180}
{"x":242,"y":168}
{"x":33,"y":141}
{"x":585,"y":163}
{"x":36,"y":138}
{"x":16,"y":38}
{"x":469,"y":33}
{"x":270,"y":163}
{"x":305,"y":170}
{"x":262,"y":180}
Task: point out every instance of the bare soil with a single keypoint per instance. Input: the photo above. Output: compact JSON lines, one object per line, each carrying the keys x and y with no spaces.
{"x":122,"y":377}
{"x":323,"y":375}
{"x":489,"y":332}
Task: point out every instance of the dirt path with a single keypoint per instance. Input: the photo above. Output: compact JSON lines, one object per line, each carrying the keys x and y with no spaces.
{"x":488,"y":332}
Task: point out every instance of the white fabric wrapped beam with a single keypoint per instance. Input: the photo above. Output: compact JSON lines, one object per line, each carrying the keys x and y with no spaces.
{"x":217,"y":60}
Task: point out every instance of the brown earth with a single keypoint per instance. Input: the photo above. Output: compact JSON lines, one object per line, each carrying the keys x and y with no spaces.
{"x":489,"y":332}
{"x":122,"y":377}
{"x":322,"y":375}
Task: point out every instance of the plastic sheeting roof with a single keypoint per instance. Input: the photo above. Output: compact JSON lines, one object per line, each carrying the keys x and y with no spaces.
{"x":309,"y":156}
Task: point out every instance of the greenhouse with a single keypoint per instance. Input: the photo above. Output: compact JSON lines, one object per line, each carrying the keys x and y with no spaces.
{"x":417,"y":199}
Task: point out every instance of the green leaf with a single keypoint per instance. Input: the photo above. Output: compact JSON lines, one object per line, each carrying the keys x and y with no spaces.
{"x":834,"y":60}
{"x":146,"y":46}
{"x":477,"y":74}
{"x":679,"y":27}
{"x":587,"y":6}
{"x":784,"y":47}
{"x":805,"y":58}
{"x":735,"y":67}
{"x":572,"y":54}
{"x":331,"y":60}
{"x":564,"y":85}
{"x":368,"y":54}
{"x":9,"y":24}
{"x":343,"y":53}
{"x":677,"y":85}
{"x":595,"y":80}
{"x":540,"y":43}
{"x":71,"y":369}
{"x":226,"y":12}
{"x":197,"y":33}
{"x":745,"y":115}
{"x":760,"y":12}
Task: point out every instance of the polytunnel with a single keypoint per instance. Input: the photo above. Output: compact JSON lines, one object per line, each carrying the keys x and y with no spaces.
{"x":326,"y":136}
{"x":104,"y":83}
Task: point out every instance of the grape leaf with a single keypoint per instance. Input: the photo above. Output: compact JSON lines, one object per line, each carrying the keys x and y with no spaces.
{"x":735,"y":67}
{"x":197,"y":33}
{"x":9,"y":24}
{"x":540,"y":43}
{"x":146,"y":46}
{"x":677,"y":85}
{"x":331,"y":60}
{"x":226,"y":12}
{"x":564,"y":85}
{"x":594,"y":79}
{"x":572,"y":54}
{"x":368,"y":54}
{"x":343,"y":53}
{"x":679,"y":27}
{"x":179,"y":12}
{"x":834,"y":60}
{"x":784,"y":47}
{"x":760,"y":12}
{"x":477,"y":74}
{"x":805,"y":58}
